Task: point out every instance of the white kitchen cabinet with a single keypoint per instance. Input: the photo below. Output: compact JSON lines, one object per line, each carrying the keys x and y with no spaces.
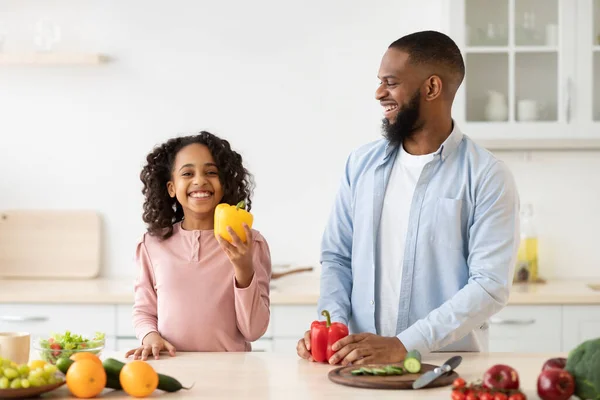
{"x":291,"y":321}
{"x":529,"y":65}
{"x":42,"y":319}
{"x":525,"y":328}
{"x":580,"y":323}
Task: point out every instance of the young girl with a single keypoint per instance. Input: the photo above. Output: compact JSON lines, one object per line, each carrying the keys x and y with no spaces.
{"x":195,"y":292}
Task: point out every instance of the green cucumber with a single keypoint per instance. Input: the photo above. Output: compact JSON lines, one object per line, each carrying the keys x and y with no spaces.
{"x":387,"y":370}
{"x":391,"y":370}
{"x":112,"y":382}
{"x":412,"y":361}
{"x":165,"y":383}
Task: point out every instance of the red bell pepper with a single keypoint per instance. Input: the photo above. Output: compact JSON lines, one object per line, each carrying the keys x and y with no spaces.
{"x":323,"y":334}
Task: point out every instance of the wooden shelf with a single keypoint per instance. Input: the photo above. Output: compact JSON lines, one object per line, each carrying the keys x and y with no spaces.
{"x":52,"y":58}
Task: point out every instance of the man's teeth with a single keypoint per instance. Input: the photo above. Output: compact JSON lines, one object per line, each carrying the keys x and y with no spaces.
{"x":200,"y":194}
{"x":390,"y":108}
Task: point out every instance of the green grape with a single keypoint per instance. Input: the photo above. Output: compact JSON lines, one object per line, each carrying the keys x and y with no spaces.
{"x":50,"y":369}
{"x":35,"y":382}
{"x":36,"y":373}
{"x":23,"y":370}
{"x":6,"y":363}
{"x":15,"y":384}
{"x":24,"y":383}
{"x":10,"y":373}
{"x":4,"y":383}
{"x":1,"y":370}
{"x":52,"y":380}
{"x":43,"y":381}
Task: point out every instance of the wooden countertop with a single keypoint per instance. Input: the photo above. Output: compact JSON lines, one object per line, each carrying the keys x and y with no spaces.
{"x":285,"y":376}
{"x":301,"y":289}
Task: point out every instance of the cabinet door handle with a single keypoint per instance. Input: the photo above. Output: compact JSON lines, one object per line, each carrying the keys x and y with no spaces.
{"x":17,"y":318}
{"x":569,"y":100}
{"x":502,"y":321}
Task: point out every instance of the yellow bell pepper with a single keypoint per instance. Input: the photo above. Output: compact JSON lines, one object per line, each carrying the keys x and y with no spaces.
{"x":233,"y":216}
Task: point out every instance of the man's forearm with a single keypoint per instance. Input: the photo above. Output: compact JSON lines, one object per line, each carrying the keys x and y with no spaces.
{"x":467,"y":310}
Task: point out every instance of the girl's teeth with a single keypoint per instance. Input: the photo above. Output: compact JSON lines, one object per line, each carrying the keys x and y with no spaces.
{"x":200,"y":194}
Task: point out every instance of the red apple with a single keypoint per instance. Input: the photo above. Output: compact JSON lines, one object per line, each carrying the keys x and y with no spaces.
{"x":558,"y":362}
{"x":501,"y":376}
{"x":555,"y":384}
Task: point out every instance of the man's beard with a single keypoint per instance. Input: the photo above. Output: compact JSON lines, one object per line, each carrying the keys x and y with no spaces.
{"x":406,"y":122}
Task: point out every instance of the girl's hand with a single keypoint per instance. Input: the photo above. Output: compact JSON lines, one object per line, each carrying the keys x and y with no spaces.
{"x":153,"y":343}
{"x":240,"y":255}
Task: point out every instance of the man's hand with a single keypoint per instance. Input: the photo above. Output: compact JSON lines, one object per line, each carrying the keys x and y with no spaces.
{"x":303,"y":347}
{"x":367,"y":348}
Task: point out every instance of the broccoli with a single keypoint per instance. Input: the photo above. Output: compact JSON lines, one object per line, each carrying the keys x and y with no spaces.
{"x":583,"y":362}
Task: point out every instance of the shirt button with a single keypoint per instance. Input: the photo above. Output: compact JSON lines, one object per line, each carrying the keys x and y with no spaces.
{"x":372,"y":302}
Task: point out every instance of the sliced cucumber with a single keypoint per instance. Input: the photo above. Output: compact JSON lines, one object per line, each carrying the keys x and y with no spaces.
{"x":392,"y":370}
{"x":412,"y":361}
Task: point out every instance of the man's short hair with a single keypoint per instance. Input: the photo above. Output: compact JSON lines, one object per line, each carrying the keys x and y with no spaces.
{"x":434,"y":49}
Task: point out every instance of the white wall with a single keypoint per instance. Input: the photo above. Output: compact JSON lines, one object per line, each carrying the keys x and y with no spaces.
{"x":564,"y":189}
{"x":298,"y":77}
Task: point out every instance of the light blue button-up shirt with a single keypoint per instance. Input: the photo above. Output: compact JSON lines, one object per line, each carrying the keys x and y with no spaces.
{"x":460,"y":250}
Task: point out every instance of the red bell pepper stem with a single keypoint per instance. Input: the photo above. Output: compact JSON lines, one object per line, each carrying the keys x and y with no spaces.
{"x":326,"y":314}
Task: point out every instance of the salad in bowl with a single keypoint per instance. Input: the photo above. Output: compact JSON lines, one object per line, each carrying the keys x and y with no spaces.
{"x":64,"y":345}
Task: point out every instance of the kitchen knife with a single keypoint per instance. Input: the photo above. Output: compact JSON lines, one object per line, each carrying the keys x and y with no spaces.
{"x":432,"y":375}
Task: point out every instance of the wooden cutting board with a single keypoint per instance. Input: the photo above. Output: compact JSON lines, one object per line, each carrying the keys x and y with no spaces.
{"x":49,"y":244}
{"x":343,"y":376}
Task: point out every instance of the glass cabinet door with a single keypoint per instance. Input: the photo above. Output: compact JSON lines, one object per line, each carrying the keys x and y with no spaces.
{"x":519,"y":57}
{"x":595,"y":39}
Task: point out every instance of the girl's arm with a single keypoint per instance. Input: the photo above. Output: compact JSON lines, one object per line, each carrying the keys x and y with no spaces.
{"x":252,"y":303}
{"x":145,"y":318}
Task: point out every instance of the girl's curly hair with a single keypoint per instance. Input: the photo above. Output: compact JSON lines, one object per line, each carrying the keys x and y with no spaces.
{"x":161,"y":211}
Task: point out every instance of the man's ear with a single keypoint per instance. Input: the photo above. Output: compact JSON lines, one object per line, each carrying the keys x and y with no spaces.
{"x":433,"y":88}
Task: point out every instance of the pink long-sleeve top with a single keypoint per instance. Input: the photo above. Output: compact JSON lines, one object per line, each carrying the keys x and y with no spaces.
{"x":186,"y":291}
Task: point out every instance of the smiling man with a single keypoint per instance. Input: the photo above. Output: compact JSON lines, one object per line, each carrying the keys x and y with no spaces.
{"x":420,"y":247}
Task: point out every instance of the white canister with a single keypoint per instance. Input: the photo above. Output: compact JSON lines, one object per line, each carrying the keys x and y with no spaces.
{"x":527,"y":110}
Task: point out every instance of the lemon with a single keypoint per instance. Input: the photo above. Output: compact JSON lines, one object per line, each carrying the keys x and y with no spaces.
{"x":37,"y":364}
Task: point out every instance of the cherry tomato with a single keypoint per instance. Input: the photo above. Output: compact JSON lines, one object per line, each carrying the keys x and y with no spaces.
{"x":457,"y":395}
{"x":500,"y":396}
{"x":486,"y":396}
{"x":459,"y":383}
{"x":517,"y":396}
{"x":471,"y":396}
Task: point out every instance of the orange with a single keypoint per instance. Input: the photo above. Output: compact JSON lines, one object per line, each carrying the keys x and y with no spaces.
{"x":138,"y":378}
{"x":84,"y":355}
{"x":86,"y":378}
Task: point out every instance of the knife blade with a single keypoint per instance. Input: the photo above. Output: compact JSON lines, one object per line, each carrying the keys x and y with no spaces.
{"x":432,"y":375}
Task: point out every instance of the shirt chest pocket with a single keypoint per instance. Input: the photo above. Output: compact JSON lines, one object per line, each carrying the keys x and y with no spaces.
{"x":447,"y":223}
